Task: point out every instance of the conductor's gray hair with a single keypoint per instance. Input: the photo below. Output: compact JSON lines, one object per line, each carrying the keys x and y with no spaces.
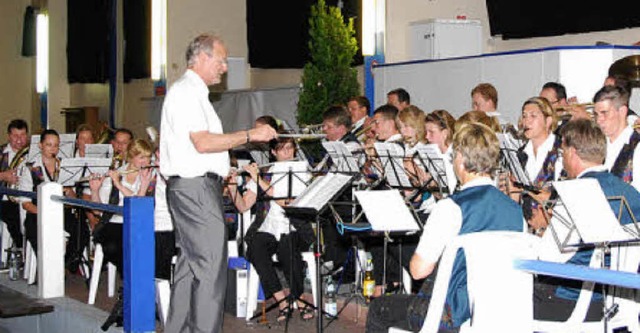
{"x":202,"y":43}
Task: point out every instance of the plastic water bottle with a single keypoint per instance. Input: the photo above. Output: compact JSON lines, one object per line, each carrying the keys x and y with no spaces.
{"x":368,"y":284}
{"x":330,"y":302}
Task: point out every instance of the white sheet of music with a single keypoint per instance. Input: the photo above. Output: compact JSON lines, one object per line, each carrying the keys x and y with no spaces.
{"x":321,"y":190}
{"x":67,"y":147}
{"x":386,"y":210}
{"x":590,"y":211}
{"x":509,"y":148}
{"x":280,"y":178}
{"x":98,"y":150}
{"x":434,"y":162}
{"x":343,"y":159}
{"x":71,"y":168}
{"x":391,"y":156}
{"x":259,"y":156}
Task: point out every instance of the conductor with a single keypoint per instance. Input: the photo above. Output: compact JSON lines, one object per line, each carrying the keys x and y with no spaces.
{"x":194,"y":159}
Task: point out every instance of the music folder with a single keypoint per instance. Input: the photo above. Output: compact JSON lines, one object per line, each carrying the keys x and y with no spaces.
{"x":386,"y":210}
{"x":318,"y":194}
{"x":71,"y":168}
{"x":509,"y":151}
{"x":587,"y":208}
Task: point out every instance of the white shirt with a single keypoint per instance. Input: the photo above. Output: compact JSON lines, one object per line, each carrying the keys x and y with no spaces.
{"x":394,"y":138}
{"x":26,"y":182}
{"x":276,"y":222}
{"x":613,"y":150}
{"x":535,"y":161}
{"x":444,"y":224}
{"x":187,"y":109}
{"x":161,"y":211}
{"x":105,"y":190}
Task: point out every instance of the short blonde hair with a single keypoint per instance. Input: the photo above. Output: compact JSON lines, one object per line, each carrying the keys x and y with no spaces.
{"x":545,"y":107}
{"x":478,"y":146}
{"x":413,"y":117}
{"x":477,"y":117}
{"x":139,"y":147}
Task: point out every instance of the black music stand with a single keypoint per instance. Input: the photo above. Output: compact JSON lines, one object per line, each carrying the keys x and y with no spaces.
{"x":510,"y":155}
{"x":434,"y":163}
{"x":391,"y":157}
{"x":310,"y":204}
{"x":98,"y":150}
{"x":72,"y":173}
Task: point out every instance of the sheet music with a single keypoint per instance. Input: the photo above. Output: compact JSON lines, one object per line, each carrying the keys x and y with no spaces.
{"x":590,"y":211}
{"x":510,"y":152}
{"x":321,"y":191}
{"x":98,"y":150}
{"x":391,"y":156}
{"x":71,"y":168}
{"x":386,"y":210}
{"x":434,"y":162}
{"x":280,"y":178}
{"x":343,"y":159}
{"x":67,"y":147}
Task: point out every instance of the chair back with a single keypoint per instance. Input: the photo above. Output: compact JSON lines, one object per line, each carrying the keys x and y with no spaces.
{"x":500,"y":296}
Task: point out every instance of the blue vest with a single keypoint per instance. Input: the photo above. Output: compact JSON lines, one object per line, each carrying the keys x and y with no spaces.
{"x":612,"y":186}
{"x":484,"y":208}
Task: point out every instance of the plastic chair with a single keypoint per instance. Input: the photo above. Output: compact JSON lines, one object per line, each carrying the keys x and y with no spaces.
{"x":492,"y":282}
{"x":623,"y":258}
{"x":6,"y":243}
{"x":98,"y":257}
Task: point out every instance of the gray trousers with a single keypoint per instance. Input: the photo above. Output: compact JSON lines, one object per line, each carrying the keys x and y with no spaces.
{"x":200,"y":277}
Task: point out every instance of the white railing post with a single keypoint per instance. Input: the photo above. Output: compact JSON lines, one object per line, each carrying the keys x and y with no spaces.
{"x":50,"y":242}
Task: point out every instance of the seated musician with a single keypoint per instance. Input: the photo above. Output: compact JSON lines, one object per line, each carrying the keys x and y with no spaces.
{"x":271,"y":234}
{"x":476,"y":154}
{"x":540,"y":155}
{"x":359,"y":107}
{"x":44,"y":169}
{"x":385,"y":130}
{"x":122,"y":137}
{"x":484,"y":98}
{"x":134,"y":178}
{"x":583,"y":151}
{"x":11,"y":156}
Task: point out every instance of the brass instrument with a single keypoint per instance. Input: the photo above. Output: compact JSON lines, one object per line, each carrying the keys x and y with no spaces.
{"x":105,"y":135}
{"x":21,"y":155}
{"x":364,"y":129}
{"x":311,"y":129}
{"x":569,"y":108}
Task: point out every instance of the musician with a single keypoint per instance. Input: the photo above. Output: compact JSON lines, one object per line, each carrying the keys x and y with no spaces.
{"x":359,"y":107}
{"x":540,"y":155}
{"x":18,"y":141}
{"x":477,"y":207}
{"x":44,"y":169}
{"x":84,"y":137}
{"x":336,"y":124}
{"x":384,"y":124}
{"x":120,"y":142}
{"x":112,"y":188}
{"x":399,"y":98}
{"x":484,"y":97}
{"x":410,"y":124}
{"x":556,"y":94}
{"x":619,"y":80}
{"x":476,"y":117}
{"x":583,"y":150}
{"x":610,"y":110}
{"x":271,"y":234}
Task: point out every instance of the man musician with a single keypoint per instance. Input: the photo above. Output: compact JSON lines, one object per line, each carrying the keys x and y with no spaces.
{"x":18,"y":141}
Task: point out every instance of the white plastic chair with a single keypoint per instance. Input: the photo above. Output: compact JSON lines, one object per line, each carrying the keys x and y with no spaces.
{"x":98,"y":258}
{"x":623,"y":258}
{"x":492,"y":282}
{"x":6,"y":243}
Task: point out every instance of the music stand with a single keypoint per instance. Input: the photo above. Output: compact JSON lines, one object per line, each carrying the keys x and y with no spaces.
{"x":72,"y":169}
{"x":309,"y":204}
{"x":387,"y":212}
{"x":391,"y":157}
{"x":342,"y":158}
{"x":433,"y":161}
{"x":98,"y":150}
{"x":510,"y":154}
{"x":67,"y":147}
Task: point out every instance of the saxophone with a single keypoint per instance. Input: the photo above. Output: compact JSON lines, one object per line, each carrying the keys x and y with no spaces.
{"x":21,"y":155}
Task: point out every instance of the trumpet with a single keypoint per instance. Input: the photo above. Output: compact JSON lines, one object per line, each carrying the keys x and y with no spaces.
{"x":570,"y":107}
{"x":364,"y":129}
{"x":21,"y":155}
{"x":311,"y":129}
{"x":123,"y":172}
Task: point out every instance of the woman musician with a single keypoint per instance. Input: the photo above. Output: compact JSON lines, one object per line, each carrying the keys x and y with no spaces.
{"x":540,"y":156}
{"x":44,"y":169}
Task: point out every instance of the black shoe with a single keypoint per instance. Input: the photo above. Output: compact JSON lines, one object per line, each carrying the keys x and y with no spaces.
{"x":117,"y":313}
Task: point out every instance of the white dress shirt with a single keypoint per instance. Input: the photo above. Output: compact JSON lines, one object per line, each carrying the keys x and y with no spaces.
{"x":105,"y":191}
{"x":187,"y":109}
{"x":535,"y":161}
{"x":613,"y":150}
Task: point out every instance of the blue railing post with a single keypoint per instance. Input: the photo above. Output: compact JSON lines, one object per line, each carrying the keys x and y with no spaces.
{"x":139,"y":265}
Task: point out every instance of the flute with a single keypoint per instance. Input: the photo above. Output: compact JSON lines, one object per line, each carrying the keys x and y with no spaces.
{"x":123,"y":172}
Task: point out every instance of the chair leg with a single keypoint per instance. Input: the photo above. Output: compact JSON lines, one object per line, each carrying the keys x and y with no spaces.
{"x":252,"y":293}
{"x":112,"y":270}
{"x":6,"y":243}
{"x":309,"y":258}
{"x":95,"y":274}
{"x":163,"y":297}
{"x":406,"y":281}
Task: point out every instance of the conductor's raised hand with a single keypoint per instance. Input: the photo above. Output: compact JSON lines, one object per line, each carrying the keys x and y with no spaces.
{"x":262,"y":134}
